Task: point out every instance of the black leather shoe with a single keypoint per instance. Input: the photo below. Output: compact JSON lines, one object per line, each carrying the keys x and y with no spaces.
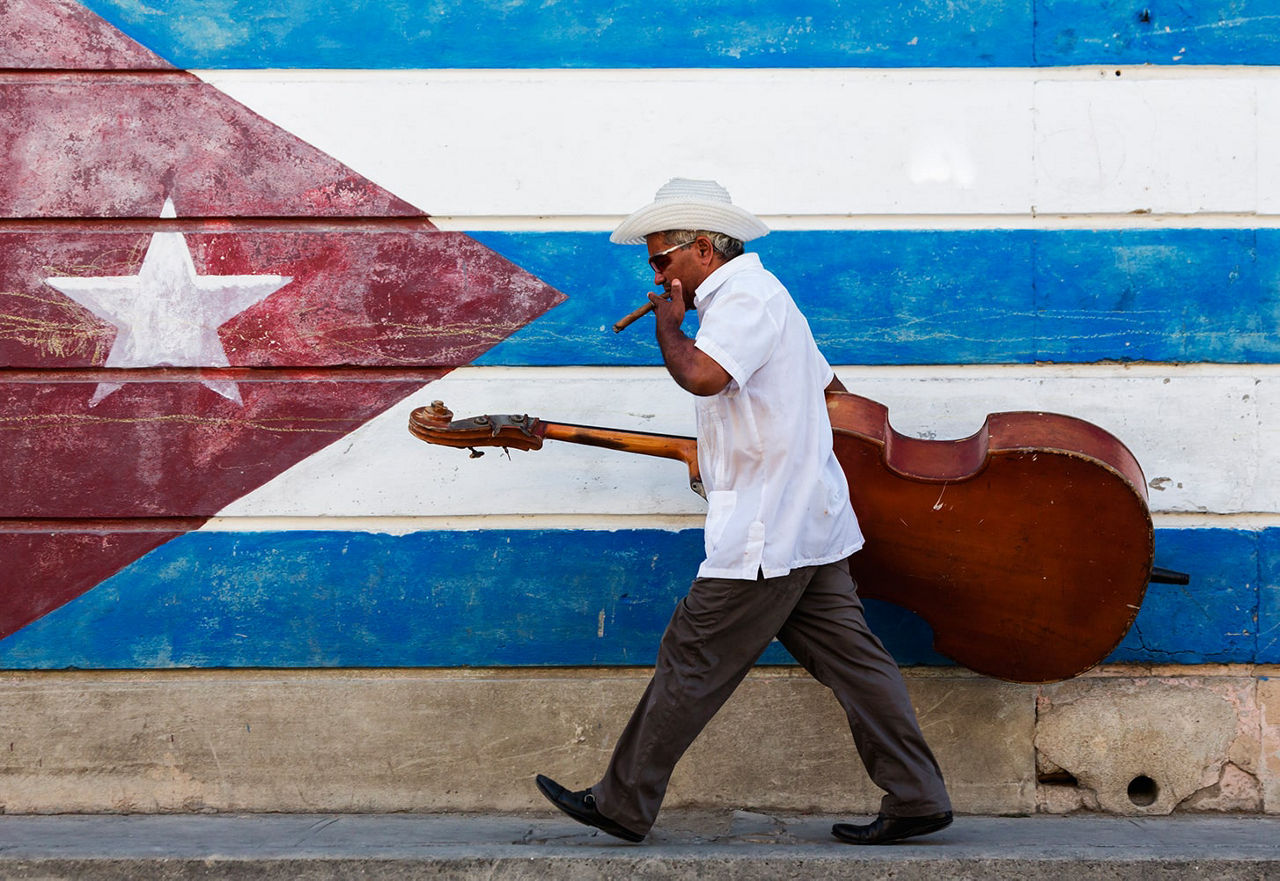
{"x":582,"y":807}
{"x":886,"y":830}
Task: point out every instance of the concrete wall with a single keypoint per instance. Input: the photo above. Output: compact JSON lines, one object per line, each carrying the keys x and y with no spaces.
{"x":1127,"y":740}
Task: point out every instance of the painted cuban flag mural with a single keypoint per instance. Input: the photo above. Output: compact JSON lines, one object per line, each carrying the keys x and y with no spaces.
{"x":193,"y":301}
{"x":221,"y":296}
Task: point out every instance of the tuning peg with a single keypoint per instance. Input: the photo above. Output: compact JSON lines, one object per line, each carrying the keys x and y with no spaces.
{"x":437,"y":414}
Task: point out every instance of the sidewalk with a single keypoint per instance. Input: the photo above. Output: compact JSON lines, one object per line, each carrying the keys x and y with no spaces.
{"x":707,"y":846}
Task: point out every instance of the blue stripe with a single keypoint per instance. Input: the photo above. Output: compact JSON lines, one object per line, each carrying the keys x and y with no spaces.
{"x":577,"y":33}
{"x":1157,"y":32}
{"x":1229,"y":613}
{"x":499,"y":598}
{"x":1267,"y":622}
{"x":629,"y":34}
{"x":945,"y":297}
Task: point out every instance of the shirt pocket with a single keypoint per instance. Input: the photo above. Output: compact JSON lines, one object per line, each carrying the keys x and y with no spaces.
{"x":720,"y":506}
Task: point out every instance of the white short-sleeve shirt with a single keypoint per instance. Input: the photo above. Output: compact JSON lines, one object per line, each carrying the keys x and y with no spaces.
{"x":777,"y":497}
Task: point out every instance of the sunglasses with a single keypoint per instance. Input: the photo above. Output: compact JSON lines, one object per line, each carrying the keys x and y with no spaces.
{"x":661,"y":260}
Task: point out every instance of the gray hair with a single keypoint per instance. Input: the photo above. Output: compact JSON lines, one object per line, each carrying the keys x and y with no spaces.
{"x":725,"y":245}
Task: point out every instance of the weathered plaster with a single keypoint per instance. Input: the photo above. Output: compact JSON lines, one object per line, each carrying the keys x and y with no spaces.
{"x":440,"y":741}
{"x":1269,"y":753}
{"x":471,"y":740}
{"x":1149,"y":745}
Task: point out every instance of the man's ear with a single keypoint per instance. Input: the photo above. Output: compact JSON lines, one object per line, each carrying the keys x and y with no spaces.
{"x":710,"y":252}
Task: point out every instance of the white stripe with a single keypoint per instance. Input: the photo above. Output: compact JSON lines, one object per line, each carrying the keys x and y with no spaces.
{"x":1205,"y":436}
{"x":795,"y":145}
{"x":608,"y":523}
{"x":1224,"y":220}
{"x":475,"y":523}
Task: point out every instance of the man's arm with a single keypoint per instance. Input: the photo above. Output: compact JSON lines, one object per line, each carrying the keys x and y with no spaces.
{"x":693,"y":369}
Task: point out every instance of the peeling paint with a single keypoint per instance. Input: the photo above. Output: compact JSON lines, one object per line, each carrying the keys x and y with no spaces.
{"x":1148,"y":746}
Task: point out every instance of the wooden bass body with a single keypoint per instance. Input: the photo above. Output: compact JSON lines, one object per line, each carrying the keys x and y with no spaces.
{"x":1027,"y":547}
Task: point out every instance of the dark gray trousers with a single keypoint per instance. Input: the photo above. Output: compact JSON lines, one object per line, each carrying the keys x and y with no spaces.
{"x":716,"y":635}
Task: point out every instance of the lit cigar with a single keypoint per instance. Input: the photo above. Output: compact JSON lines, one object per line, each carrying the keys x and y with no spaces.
{"x":636,"y":315}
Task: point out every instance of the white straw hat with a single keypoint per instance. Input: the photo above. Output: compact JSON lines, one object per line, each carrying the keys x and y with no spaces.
{"x":690,"y":204}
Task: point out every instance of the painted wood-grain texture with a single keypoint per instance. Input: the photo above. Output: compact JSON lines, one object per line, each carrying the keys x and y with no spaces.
{"x":188,"y":298}
{"x":981,"y":207}
{"x":530,"y":597}
{"x":1202,"y":434}
{"x":893,"y":297}
{"x":826,"y":144}
{"x":813,"y":33}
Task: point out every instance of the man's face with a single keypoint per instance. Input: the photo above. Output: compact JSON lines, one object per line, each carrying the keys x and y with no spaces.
{"x":688,"y":263}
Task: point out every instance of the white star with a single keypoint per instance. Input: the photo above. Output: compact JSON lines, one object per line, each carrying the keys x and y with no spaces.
{"x":166,"y":315}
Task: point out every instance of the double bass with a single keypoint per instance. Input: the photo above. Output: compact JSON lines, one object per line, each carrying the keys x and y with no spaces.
{"x":1027,"y":547}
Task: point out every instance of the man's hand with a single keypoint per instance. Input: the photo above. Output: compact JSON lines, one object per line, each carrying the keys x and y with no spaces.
{"x":669,"y":308}
{"x":693,"y":369}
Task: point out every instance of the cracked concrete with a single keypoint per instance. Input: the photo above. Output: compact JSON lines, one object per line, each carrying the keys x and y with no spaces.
{"x":1149,"y":745}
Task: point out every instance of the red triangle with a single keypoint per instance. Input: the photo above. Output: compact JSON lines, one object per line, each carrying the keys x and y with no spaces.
{"x":378,"y":302}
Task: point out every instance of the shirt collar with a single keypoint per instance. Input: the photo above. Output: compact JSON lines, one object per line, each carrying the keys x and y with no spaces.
{"x":705,"y":291}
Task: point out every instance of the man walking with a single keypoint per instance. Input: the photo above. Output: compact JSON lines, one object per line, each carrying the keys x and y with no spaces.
{"x":778,"y":532}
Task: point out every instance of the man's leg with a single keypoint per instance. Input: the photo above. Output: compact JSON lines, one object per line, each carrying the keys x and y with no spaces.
{"x":715,"y":636}
{"x":828,"y":634}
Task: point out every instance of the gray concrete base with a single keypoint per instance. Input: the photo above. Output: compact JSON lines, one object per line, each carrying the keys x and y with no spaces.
{"x":725,"y":845}
{"x":1121,"y":740}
